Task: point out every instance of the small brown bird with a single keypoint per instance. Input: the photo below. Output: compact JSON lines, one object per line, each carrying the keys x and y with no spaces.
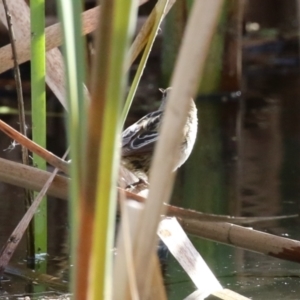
{"x":138,"y":140}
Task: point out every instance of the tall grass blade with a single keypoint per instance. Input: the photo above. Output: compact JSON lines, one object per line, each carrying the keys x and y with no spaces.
{"x":70,"y":15}
{"x":108,"y":87}
{"x":38,"y":108}
{"x":159,"y":10}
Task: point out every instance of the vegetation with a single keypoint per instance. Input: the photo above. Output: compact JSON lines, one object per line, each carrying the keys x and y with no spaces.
{"x":96,"y":110}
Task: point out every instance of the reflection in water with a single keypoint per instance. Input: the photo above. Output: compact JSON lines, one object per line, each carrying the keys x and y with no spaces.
{"x":269,"y":136}
{"x":259,"y":159}
{"x":264,"y":171}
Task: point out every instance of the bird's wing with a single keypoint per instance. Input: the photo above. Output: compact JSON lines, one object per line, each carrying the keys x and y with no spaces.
{"x":142,"y":135}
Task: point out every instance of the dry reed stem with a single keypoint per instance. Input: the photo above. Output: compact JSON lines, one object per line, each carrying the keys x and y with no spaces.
{"x":17,"y":75}
{"x":188,"y":257}
{"x":124,"y":271}
{"x":196,"y":215}
{"x":52,"y":159}
{"x":55,"y":68}
{"x":224,"y":294}
{"x":185,"y":80}
{"x":32,"y":178}
{"x":191,"y":261}
{"x":245,"y":238}
{"x":227,"y":294}
{"x":53,"y":39}
{"x":189,"y":214}
{"x":124,"y":266}
{"x":55,"y":75}
{"x":157,"y":287}
{"x":141,"y":39}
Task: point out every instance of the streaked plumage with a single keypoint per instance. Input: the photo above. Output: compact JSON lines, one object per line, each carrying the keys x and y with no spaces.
{"x":138,"y":140}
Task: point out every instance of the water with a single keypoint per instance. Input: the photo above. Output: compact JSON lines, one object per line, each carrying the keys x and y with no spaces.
{"x":246,"y":163}
{"x":259,"y":176}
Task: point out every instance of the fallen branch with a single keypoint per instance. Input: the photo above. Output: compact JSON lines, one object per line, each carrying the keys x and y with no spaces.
{"x":245,"y":238}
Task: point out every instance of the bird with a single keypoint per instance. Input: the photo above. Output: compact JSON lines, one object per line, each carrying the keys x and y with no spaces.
{"x":139,"y":139}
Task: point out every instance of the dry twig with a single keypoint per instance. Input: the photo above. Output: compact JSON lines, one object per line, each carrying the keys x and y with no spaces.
{"x":52,"y":159}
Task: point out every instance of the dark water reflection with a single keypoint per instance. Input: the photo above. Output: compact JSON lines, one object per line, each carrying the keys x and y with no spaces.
{"x":260,"y":174}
